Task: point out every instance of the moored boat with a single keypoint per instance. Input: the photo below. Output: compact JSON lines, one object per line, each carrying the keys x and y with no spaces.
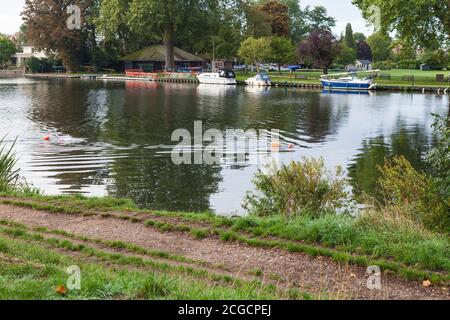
{"x":227,"y":77}
{"x":349,"y":83}
{"x":262,"y":79}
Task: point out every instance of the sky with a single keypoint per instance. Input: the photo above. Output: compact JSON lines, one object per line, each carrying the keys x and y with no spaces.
{"x":343,"y":10}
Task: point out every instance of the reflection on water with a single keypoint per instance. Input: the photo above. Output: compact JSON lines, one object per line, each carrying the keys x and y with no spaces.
{"x":113,"y":138}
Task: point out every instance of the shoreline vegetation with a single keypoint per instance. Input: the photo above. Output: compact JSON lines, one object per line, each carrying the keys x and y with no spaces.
{"x":399,"y":80}
{"x":299,"y":208}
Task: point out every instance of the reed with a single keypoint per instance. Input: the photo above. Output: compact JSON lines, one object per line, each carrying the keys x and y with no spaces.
{"x":9,"y":175}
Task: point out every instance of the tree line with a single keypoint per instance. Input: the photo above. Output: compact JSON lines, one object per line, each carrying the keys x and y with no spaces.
{"x":254,"y":31}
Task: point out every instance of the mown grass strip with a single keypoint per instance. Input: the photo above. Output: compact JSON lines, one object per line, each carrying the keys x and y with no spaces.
{"x":36,"y":271}
{"x":122,"y":259}
{"x":241,"y":224}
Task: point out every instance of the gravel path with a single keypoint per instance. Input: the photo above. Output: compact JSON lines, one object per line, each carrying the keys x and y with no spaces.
{"x":317,"y":275}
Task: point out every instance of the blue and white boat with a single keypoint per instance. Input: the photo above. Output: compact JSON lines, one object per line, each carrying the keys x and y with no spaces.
{"x":351,"y":82}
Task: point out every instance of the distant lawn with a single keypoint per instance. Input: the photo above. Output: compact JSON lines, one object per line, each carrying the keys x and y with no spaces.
{"x":397,"y":77}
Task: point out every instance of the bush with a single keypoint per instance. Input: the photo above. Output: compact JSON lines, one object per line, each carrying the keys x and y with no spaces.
{"x":414,"y":193}
{"x":35,"y":65}
{"x":298,"y":188}
{"x":384,"y":65}
{"x":439,"y":157}
{"x":408,"y":64}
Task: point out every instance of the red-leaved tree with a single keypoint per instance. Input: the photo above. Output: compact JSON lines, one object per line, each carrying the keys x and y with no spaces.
{"x":321,"y":49}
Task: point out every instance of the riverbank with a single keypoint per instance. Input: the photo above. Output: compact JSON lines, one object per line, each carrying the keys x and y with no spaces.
{"x":246,"y":258}
{"x":383,"y":85}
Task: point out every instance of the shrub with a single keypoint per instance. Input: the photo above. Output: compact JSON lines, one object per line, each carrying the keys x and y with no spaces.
{"x":384,"y":65}
{"x":298,"y":188}
{"x":408,"y":64}
{"x":35,"y":65}
{"x":414,"y":192}
{"x":439,"y":157}
{"x":9,"y":176}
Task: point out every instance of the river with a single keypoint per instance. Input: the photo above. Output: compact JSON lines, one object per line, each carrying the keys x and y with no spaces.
{"x":114,"y":138}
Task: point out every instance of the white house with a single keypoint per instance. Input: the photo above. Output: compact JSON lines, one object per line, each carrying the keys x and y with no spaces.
{"x":363,"y":65}
{"x":20,"y":58}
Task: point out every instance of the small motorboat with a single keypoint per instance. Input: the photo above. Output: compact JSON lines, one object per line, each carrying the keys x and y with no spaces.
{"x":351,"y":82}
{"x":262,"y":79}
{"x":223,"y":76}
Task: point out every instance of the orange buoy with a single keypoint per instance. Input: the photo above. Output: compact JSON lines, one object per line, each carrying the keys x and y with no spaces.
{"x":47,"y":138}
{"x":275,"y":144}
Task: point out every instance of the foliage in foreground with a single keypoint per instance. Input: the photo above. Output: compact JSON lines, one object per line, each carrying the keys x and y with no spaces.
{"x":298,"y":188}
{"x":10,"y":179}
{"x":9,"y":176}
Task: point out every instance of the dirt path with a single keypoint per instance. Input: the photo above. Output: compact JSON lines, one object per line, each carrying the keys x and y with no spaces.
{"x":317,"y":275}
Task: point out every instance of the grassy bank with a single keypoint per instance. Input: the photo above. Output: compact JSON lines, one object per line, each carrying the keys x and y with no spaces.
{"x":33,"y":266}
{"x":396,"y":248}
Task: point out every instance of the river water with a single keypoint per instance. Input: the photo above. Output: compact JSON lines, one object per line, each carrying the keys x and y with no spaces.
{"x":114,"y":138}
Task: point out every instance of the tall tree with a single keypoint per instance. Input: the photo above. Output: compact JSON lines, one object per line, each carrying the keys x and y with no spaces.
{"x":171,"y":20}
{"x":283,"y":51}
{"x":278,"y":13}
{"x":112,"y":23}
{"x":257,"y":21}
{"x":363,"y":51}
{"x":348,"y":38}
{"x":47,"y":29}
{"x":256,"y":51}
{"x":380,"y":43}
{"x":321,"y":48}
{"x":423,"y":23}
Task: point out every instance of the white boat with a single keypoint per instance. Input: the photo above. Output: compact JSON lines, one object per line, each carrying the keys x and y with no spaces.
{"x":262,"y":79}
{"x":227,"y":77}
{"x":349,"y":82}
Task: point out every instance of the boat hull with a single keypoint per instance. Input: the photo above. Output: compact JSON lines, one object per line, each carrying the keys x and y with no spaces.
{"x":341,"y":85}
{"x":210,"y":79}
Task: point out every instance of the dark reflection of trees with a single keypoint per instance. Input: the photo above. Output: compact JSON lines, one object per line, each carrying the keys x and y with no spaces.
{"x":299,"y":115}
{"x":411,"y":142}
{"x":72,"y":107}
{"x":156,"y":183}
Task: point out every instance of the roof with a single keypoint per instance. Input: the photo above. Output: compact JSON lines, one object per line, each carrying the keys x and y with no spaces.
{"x":158,"y":53}
{"x":364,"y":61}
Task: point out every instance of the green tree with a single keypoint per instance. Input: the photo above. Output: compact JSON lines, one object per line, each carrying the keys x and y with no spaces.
{"x":256,"y":51}
{"x":283,"y":50}
{"x":348,"y":38}
{"x":347,"y":56}
{"x":112,"y":23}
{"x":7,"y":49}
{"x":423,"y":23}
{"x":436,"y":58}
{"x":380,"y":43}
{"x":359,"y":36}
{"x":304,"y":21}
{"x":171,"y":21}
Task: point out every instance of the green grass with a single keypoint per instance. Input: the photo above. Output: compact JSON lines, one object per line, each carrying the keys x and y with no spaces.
{"x":406,"y":252}
{"x":30,"y":268}
{"x":422,"y":78}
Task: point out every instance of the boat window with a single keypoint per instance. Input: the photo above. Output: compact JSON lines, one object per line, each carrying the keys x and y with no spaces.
{"x":227,"y":74}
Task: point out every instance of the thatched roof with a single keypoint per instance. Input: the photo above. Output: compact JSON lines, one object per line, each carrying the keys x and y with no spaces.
{"x":158,"y":53}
